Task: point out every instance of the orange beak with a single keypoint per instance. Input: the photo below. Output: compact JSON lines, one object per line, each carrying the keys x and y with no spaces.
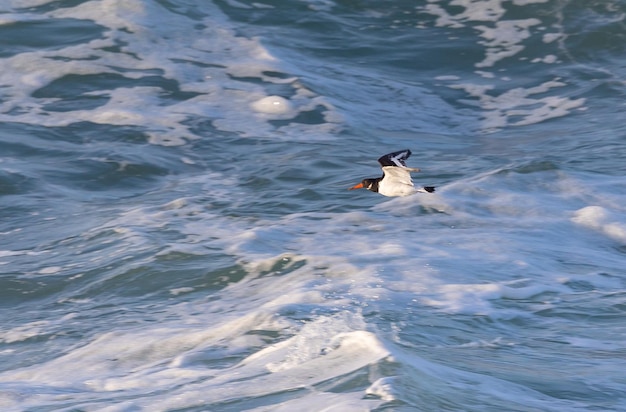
{"x":359,"y":186}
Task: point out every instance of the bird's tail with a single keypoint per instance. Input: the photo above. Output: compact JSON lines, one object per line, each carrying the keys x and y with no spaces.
{"x":427,"y":189}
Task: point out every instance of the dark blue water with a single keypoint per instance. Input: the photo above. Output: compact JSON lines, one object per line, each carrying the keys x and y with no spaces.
{"x":176,"y":233}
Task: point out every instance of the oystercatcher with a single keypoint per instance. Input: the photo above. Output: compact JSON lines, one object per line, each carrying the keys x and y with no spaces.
{"x":396,"y":179}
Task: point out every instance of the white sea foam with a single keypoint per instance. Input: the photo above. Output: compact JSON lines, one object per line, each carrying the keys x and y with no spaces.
{"x":411,"y":264}
{"x":504,"y":39}
{"x":23,"y":4}
{"x":297,"y":328}
{"x":519,"y":107}
{"x":33,"y":329}
{"x":602,"y":220}
{"x":23,"y":332}
{"x":134,"y":360}
{"x":242,"y":345}
{"x":209,"y":64}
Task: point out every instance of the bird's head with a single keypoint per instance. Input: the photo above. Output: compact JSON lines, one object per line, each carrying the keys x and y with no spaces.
{"x":369,"y":184}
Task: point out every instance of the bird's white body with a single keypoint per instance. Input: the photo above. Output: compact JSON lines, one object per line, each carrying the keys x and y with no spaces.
{"x":397,"y":181}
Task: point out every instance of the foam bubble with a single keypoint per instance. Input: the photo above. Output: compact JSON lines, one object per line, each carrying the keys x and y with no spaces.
{"x":447,"y":77}
{"x":5,"y":253}
{"x":179,"y":291}
{"x":273,"y":105}
{"x":50,"y":270}
{"x":526,"y":2}
{"x":602,"y":220}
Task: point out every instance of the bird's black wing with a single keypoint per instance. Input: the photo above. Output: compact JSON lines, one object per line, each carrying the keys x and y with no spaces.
{"x":395,"y":158}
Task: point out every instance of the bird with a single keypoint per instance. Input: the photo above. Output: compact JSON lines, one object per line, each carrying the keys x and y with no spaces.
{"x":396,"y":179}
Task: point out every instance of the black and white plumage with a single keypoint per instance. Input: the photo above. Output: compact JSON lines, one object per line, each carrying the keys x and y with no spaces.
{"x":396,"y":179}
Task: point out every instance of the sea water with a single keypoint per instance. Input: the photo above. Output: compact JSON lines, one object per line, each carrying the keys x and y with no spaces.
{"x":176,"y":233}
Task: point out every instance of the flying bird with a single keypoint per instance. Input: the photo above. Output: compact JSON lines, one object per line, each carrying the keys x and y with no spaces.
{"x":396,"y":179}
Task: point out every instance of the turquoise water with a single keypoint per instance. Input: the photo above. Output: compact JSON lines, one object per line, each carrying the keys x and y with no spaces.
{"x":176,"y":233}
